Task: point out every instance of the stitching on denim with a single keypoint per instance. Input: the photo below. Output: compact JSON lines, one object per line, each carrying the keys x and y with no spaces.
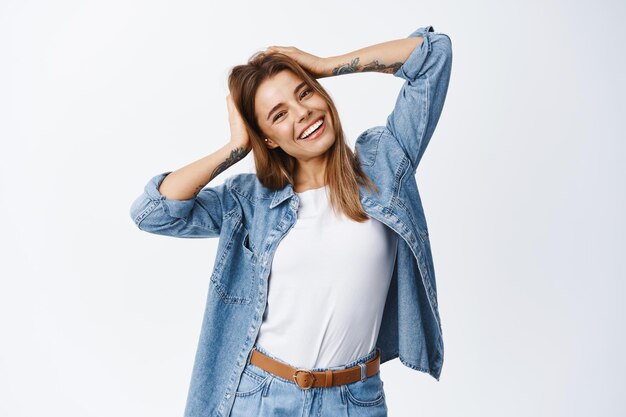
{"x":399,"y":175}
{"x":423,"y":235}
{"x":364,"y":403}
{"x":260,"y":386}
{"x":146,"y":211}
{"x":423,"y":123}
{"x":231,"y":186}
{"x":232,"y":212}
{"x":218,"y":271}
{"x":371,"y":154}
{"x":253,"y":375}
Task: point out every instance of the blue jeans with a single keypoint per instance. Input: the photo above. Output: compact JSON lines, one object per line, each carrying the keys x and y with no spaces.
{"x":261,"y":393}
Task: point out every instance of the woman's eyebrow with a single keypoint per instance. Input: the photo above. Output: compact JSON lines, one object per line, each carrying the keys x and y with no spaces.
{"x":280,"y":104}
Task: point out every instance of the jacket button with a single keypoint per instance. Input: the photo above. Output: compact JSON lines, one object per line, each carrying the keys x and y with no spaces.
{"x":227,"y":395}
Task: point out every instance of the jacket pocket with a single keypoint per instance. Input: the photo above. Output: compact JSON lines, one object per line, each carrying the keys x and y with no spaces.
{"x":233,"y":275}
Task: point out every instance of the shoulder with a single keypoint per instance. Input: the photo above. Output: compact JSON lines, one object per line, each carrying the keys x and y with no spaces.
{"x":374,"y":141}
{"x":247,"y":186}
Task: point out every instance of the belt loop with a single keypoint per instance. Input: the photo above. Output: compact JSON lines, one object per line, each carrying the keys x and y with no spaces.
{"x":363,"y":373}
{"x":250,"y":354}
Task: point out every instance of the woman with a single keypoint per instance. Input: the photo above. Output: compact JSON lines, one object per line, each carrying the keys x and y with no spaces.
{"x":324,"y":269}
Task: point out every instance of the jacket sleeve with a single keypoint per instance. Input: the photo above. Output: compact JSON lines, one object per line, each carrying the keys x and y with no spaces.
{"x":419,"y":104}
{"x":198,"y":217}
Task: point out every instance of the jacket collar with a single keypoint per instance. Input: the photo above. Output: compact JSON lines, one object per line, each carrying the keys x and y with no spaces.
{"x":281,"y":195}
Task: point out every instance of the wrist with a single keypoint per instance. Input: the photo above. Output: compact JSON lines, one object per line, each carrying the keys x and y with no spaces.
{"x":238,"y":144}
{"x":326,"y":66}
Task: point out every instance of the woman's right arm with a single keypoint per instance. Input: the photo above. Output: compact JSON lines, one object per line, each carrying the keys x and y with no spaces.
{"x":176,"y":204}
{"x":186,"y":182}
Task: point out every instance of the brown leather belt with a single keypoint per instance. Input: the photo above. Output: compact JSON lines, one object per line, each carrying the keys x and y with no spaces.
{"x":306,"y":379}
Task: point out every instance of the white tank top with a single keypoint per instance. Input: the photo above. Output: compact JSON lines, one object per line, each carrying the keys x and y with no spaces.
{"x":327,"y":286}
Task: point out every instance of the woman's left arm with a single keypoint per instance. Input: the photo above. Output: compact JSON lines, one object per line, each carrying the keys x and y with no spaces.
{"x":384,"y":57}
{"x":424,"y":61}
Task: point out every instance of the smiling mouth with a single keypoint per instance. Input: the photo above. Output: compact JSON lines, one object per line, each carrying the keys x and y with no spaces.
{"x":319,"y":123}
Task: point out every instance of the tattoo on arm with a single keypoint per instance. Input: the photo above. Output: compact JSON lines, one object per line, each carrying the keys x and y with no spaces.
{"x":373,"y":66}
{"x":235,"y":156}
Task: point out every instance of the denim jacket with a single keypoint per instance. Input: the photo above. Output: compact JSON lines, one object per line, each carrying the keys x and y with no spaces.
{"x":250,"y":220}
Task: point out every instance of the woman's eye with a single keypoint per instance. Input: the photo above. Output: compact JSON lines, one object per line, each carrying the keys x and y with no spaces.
{"x":301,"y":95}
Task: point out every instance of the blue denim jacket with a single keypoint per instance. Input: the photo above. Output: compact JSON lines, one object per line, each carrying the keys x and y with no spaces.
{"x":250,"y":220}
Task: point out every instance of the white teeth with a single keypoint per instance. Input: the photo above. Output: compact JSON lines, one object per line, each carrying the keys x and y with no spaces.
{"x":311,"y":129}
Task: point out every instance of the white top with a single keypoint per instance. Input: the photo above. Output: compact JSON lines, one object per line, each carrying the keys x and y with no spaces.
{"x":327,"y":286}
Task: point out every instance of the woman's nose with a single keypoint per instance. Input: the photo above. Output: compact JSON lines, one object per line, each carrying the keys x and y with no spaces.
{"x":303,"y":113}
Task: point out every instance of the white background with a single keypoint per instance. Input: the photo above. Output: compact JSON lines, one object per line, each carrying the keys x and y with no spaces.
{"x":522,"y":184}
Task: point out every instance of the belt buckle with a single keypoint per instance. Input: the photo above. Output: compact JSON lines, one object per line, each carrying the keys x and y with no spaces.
{"x":311,"y":379}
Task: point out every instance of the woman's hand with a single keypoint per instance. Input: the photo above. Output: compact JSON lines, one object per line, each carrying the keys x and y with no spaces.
{"x":238,"y":132}
{"x":313,"y":64}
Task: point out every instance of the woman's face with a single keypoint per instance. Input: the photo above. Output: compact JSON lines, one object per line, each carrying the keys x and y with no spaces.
{"x":285,"y":108}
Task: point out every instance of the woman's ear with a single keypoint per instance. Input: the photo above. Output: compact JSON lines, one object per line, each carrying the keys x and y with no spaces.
{"x":270,"y":144}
